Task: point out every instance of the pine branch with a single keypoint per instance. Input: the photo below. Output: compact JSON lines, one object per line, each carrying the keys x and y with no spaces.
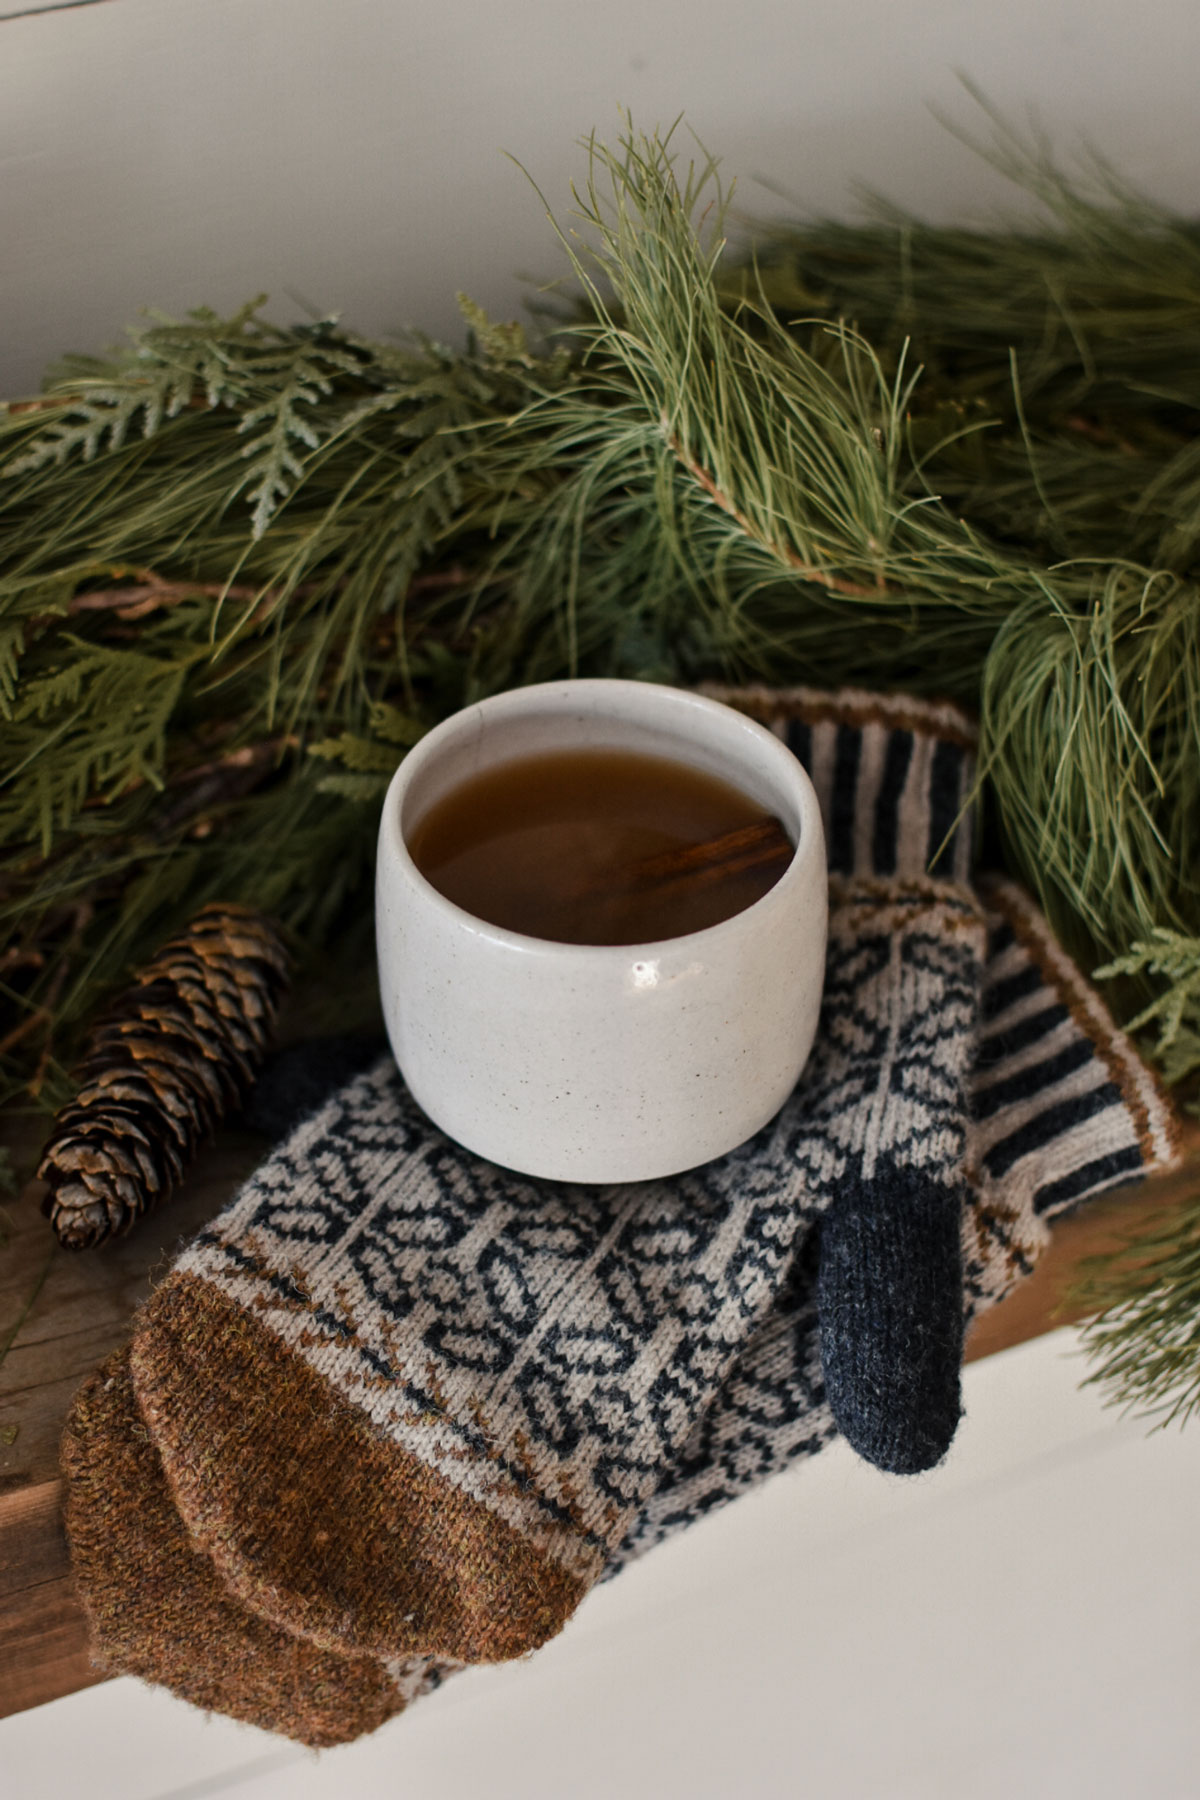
{"x":1091,"y":747}
{"x":821,"y":577}
{"x":710,"y":475}
{"x":1144,"y":1341}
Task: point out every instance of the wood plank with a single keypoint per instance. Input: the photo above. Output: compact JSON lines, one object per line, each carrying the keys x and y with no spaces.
{"x":83,"y":1301}
{"x":44,"y":1652}
{"x":1042,"y":1301}
{"x":81,"y":1307}
{"x":43,"y":1633}
{"x":32,"y":1546}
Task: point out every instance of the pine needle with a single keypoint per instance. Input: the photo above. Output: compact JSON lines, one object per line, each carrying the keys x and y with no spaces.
{"x":1144,"y":1341}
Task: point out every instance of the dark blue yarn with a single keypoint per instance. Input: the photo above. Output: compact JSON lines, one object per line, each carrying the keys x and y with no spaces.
{"x":890,"y":1316}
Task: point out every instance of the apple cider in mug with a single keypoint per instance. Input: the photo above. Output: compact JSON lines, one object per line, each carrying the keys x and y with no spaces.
{"x":600,"y":846}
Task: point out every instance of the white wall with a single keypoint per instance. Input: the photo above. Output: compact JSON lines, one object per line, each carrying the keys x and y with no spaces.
{"x":348,"y":152}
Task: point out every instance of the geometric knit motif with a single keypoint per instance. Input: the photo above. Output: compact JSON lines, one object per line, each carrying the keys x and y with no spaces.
{"x":547,"y":1349}
{"x":771,"y":1411}
{"x":887,"y":1080}
{"x":543,"y":1347}
{"x":539,"y":1351}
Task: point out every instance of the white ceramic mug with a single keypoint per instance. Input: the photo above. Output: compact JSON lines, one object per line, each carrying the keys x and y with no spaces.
{"x":598,"y":1062}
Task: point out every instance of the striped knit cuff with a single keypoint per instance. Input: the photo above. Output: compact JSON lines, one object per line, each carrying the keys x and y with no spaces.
{"x":894,"y":775}
{"x":1063,"y":1108}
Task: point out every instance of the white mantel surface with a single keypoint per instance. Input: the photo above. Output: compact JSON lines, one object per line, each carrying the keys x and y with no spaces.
{"x":1023,"y":1621}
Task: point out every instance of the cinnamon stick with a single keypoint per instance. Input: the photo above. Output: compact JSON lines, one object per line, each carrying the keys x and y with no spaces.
{"x":733,"y":853}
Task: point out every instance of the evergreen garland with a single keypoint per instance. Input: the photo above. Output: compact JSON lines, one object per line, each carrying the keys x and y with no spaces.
{"x":243,"y":567}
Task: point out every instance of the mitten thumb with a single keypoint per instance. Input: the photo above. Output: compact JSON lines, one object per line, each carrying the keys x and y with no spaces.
{"x":890,"y":1317}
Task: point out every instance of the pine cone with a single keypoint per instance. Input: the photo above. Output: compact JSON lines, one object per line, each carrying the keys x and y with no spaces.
{"x":178,"y":1050}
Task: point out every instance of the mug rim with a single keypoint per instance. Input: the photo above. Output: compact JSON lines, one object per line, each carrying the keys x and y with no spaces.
{"x":510,"y":699}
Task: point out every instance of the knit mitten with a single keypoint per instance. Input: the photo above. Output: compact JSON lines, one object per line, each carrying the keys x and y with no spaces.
{"x":1061,"y":1109}
{"x":894,"y":778}
{"x":409,"y":1402}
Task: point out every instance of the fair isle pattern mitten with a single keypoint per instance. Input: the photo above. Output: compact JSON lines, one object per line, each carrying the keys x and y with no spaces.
{"x":770,"y":1411}
{"x":409,"y":1402}
{"x":894,"y":778}
{"x":1061,"y":1109}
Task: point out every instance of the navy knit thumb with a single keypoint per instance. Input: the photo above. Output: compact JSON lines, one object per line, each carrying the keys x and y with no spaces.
{"x":889,"y":1302}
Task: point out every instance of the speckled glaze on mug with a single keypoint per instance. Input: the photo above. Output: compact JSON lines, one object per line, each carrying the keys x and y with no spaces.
{"x":599,"y":1062}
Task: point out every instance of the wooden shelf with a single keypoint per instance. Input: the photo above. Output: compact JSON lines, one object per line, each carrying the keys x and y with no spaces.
{"x":69,"y":1310}
{"x":64,"y":1312}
